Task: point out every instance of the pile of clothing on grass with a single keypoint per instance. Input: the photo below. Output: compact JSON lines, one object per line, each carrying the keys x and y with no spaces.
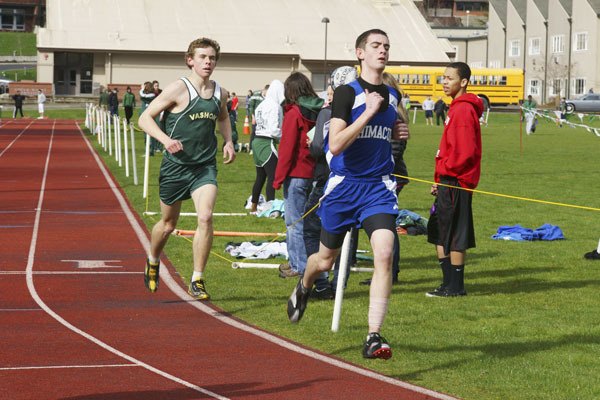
{"x":411,"y":223}
{"x":520,"y":234}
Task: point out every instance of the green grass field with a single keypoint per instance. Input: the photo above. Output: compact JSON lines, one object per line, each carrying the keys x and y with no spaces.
{"x":528,"y":328}
{"x":17,"y":43}
{"x":19,"y":74}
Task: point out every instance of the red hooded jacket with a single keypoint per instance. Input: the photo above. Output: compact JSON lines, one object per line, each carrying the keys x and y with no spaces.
{"x":294,"y":155}
{"x":459,"y":155}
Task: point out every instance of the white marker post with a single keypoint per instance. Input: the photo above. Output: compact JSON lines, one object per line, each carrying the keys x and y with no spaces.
{"x":133,"y":160}
{"x":341,"y":278}
{"x":109,"y":134}
{"x":125,"y":148}
{"x":146,"y":167}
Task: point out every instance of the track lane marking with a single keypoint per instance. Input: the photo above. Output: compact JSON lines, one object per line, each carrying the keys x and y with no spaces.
{"x":15,"y":139}
{"x":72,"y":272}
{"x":67,"y":367}
{"x":68,"y":325}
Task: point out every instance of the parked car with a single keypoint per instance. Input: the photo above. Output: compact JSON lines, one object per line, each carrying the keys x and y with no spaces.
{"x":587,"y":103}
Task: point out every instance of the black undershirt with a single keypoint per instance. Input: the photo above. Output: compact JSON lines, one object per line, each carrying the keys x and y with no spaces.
{"x":343,"y":99}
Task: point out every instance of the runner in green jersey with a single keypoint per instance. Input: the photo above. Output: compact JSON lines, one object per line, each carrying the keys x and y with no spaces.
{"x":192,"y":107}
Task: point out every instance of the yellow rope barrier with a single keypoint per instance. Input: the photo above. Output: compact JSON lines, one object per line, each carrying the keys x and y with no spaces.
{"x":504,"y":195}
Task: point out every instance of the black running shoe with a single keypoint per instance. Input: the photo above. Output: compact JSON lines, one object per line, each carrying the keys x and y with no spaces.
{"x":376,"y":347}
{"x":435,"y":291}
{"x":445,"y":293}
{"x":198,"y":291}
{"x":151,"y":275}
{"x":297,"y":302}
{"x":592,"y":255}
{"x":325,"y":293}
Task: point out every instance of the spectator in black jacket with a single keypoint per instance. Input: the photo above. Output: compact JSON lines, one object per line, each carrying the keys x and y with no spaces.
{"x":440,"y":111}
{"x":113,"y":102}
{"x":19,"y":99}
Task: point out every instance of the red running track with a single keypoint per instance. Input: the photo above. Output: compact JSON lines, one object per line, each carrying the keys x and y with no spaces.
{"x":77,"y":322}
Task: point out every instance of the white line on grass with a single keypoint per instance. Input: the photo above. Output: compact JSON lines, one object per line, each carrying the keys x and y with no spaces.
{"x":49,"y":311}
{"x":182,"y":294}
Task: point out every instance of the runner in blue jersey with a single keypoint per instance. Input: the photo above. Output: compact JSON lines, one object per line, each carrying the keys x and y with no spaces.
{"x":360,"y":190}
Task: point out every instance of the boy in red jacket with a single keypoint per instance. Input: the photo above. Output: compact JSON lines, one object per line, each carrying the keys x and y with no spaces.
{"x":457,"y":167}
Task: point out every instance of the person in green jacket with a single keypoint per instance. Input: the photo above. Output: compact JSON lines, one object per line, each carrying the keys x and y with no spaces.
{"x":103,"y":101}
{"x":128,"y":104}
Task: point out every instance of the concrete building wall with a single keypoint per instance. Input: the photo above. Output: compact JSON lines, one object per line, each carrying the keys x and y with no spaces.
{"x":496,"y":40}
{"x":534,"y":49}
{"x":515,"y":38}
{"x":259,"y":39}
{"x":584,"y":44}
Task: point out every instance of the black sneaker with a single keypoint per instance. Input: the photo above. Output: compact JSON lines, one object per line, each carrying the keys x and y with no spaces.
{"x":198,"y":291}
{"x":592,"y":255}
{"x":435,"y":291}
{"x":325,"y":293}
{"x":376,"y":347}
{"x":151,"y":275}
{"x":445,"y":293}
{"x":297,"y":302}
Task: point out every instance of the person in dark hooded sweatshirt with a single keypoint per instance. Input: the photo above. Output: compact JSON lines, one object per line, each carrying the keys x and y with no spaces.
{"x":295,"y":166}
{"x":457,"y":167}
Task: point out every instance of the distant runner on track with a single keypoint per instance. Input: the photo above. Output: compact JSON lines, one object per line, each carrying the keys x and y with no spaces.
{"x":192,"y":106}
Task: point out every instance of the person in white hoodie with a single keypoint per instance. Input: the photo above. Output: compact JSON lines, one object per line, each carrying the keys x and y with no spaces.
{"x":41,"y":99}
{"x":269,"y":116}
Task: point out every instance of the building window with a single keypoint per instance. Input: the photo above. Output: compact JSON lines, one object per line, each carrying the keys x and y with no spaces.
{"x":579,"y":85}
{"x":534,"y":46}
{"x":556,"y":87}
{"x":581,"y":41}
{"x":534,"y":87}
{"x":515,"y":48}
{"x":558,"y":44}
{"x":495,"y":64}
{"x":11,"y":19}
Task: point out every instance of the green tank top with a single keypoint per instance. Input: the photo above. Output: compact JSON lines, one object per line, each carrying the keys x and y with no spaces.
{"x":194,"y":127}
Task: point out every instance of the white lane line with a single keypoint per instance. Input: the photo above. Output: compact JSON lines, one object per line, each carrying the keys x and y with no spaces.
{"x":15,"y":139}
{"x":72,"y":272}
{"x":19,"y":309}
{"x":67,"y":367}
{"x":88,"y":212}
{"x":182,"y":294}
{"x":53,"y":314}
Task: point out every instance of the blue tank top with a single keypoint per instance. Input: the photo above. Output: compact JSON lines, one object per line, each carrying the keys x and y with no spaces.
{"x":370,"y":155}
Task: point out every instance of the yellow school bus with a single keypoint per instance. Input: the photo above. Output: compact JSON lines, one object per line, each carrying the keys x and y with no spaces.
{"x":495,"y":86}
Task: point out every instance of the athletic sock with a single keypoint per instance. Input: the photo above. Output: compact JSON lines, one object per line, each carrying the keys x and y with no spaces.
{"x":197,"y":275}
{"x":457,"y":279}
{"x":446,"y":267}
{"x":377,"y":311}
{"x":153,"y":261}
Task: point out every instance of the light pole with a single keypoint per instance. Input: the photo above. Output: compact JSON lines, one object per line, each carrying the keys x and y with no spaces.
{"x":468,"y":12}
{"x":325,"y":20}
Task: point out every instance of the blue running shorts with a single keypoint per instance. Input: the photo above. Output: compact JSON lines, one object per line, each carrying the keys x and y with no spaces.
{"x":347,"y":202}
